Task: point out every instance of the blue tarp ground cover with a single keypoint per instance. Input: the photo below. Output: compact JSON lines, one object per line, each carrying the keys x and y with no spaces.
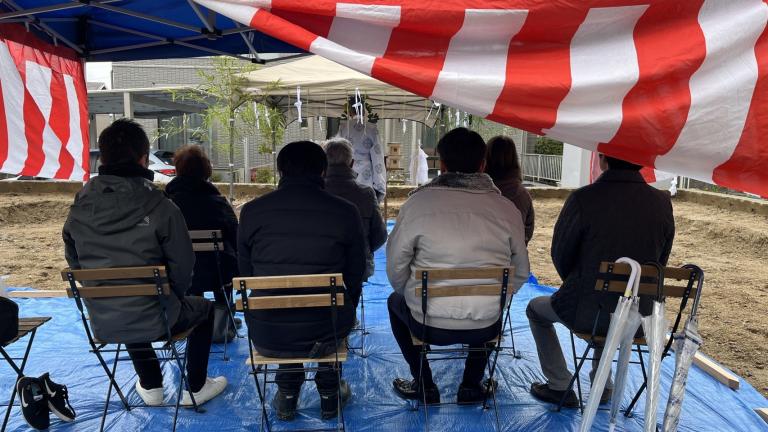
{"x":61,"y":349}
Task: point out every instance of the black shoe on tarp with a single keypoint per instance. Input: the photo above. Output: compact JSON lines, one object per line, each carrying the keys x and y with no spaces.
{"x":542,"y":392}
{"x":58,"y":399}
{"x":285,"y":405}
{"x":475,"y":394}
{"x":408,"y":389}
{"x":34,"y":403}
{"x":329,"y":403}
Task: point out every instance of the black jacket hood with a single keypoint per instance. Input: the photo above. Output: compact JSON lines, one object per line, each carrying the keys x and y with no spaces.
{"x":111,"y":204}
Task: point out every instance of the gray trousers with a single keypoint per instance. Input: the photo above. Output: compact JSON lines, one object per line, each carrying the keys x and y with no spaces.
{"x":541,"y":317}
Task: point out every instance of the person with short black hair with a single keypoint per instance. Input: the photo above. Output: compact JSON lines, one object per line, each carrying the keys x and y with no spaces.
{"x":340,"y":181}
{"x":503,"y":165}
{"x":619,"y":215}
{"x":301,"y":229}
{"x":204,"y":208}
{"x":459,"y":219}
{"x":121,"y":219}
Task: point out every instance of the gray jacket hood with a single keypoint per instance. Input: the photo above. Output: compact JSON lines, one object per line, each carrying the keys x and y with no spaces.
{"x":112,"y":204}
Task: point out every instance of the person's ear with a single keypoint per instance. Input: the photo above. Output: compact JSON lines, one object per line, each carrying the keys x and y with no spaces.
{"x":443,"y":167}
{"x":144,"y":161}
{"x":482,"y":166}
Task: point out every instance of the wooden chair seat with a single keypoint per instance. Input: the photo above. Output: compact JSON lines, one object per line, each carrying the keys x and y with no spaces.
{"x":26,"y":326}
{"x":418,"y":342}
{"x":175,"y":338}
{"x":600,"y":340}
{"x":259,"y":359}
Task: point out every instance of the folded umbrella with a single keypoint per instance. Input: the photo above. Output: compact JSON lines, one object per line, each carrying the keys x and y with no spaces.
{"x":655,"y":328}
{"x":625,"y":352}
{"x":686,"y":343}
{"x":616,"y":330}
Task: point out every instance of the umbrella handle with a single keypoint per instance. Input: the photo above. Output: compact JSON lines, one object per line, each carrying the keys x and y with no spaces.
{"x":633,"y":284}
{"x":699,"y":286}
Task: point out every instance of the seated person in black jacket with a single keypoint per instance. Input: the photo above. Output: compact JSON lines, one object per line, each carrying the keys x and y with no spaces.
{"x":302,"y":229}
{"x":120,"y":219}
{"x":619,"y":215}
{"x":340,"y":181}
{"x":204,"y":208}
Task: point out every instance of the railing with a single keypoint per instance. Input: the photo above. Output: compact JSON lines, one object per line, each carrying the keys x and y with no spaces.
{"x":543,"y":167}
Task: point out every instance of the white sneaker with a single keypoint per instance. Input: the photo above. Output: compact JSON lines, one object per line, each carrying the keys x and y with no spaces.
{"x":151,"y":397}
{"x":212,"y":388}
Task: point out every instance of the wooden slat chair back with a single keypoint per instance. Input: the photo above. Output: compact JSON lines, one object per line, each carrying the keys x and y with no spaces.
{"x":497,"y":285}
{"x":207,"y":240}
{"x":333,"y":299}
{"x":211,"y":241}
{"x":158,"y":288}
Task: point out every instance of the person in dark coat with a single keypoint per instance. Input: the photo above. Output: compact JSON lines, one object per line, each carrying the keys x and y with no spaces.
{"x":204,"y":208}
{"x":503,"y":165}
{"x":301,"y":229}
{"x":340,"y":181}
{"x":619,"y":215}
{"x":120,"y":219}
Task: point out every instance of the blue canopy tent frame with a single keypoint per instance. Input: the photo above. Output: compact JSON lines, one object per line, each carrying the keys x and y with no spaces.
{"x":123,"y":30}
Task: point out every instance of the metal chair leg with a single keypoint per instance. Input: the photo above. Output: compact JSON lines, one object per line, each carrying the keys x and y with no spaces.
{"x":575,"y":377}
{"x":19,"y":373}
{"x":630,"y":408}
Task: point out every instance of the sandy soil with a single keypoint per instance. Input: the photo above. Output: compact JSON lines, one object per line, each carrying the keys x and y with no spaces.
{"x":732,"y":248}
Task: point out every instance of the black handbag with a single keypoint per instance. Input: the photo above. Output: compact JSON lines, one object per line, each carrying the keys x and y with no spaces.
{"x":9,"y":320}
{"x":220,"y":320}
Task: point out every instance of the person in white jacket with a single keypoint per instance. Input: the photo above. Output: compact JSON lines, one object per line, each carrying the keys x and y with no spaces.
{"x":458,"y":220}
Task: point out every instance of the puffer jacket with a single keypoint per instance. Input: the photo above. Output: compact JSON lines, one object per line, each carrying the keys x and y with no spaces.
{"x":204,"y":208}
{"x":456,"y":221}
{"x":123,"y":222}
{"x":296,"y":230}
{"x":340,"y":181}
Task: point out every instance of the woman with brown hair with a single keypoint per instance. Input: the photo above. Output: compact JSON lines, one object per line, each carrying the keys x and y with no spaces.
{"x":503,"y":165}
{"x":204,"y":208}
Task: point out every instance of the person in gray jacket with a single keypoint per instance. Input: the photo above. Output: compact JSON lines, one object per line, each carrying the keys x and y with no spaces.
{"x":120,"y":219}
{"x":340,"y":181}
{"x":459,"y":219}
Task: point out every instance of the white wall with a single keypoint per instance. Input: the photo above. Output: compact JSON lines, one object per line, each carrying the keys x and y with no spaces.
{"x":576,"y":165}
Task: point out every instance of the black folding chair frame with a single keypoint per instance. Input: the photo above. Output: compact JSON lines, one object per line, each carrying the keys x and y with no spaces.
{"x":19,"y":370}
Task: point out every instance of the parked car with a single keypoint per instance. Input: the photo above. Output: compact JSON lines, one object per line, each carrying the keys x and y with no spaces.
{"x":165,"y":156}
{"x":163,"y":172}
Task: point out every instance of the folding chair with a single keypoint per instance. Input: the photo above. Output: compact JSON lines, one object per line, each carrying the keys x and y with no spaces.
{"x":497,"y":288}
{"x":206,"y":241}
{"x":361,"y":328}
{"x":332,"y":299}
{"x":27,"y":326}
{"x":159,"y":289}
{"x":613,"y":277}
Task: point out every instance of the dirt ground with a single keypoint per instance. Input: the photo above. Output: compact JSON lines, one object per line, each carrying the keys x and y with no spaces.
{"x":731,"y":246}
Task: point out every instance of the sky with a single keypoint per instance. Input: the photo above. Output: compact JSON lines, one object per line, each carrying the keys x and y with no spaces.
{"x":99,"y":72}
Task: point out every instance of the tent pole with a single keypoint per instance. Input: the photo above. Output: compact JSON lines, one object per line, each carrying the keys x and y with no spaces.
{"x":232,"y":157}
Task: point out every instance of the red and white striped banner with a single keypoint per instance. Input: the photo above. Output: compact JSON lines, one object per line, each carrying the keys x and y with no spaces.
{"x":681,"y":86}
{"x":43,"y":108}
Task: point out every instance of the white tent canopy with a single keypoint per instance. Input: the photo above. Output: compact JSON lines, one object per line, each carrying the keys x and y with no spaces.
{"x":326,"y":87}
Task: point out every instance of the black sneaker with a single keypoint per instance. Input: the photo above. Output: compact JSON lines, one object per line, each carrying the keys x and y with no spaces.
{"x":542,"y":392}
{"x":330,"y":403}
{"x":58,"y":399}
{"x":410,"y":390}
{"x":238,"y":323}
{"x":285,"y":405}
{"x":468,"y":395}
{"x":34,"y":405}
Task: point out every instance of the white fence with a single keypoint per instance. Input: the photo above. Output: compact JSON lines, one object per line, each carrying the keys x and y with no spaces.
{"x":543,"y":167}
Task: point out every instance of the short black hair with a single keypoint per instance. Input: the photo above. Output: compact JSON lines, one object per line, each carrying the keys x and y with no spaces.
{"x":302,"y":158}
{"x":191,"y":161}
{"x":124,"y":141}
{"x":462,"y":150}
{"x":619,"y":164}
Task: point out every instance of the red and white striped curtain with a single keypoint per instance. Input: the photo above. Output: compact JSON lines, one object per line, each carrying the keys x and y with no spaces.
{"x":678,"y":85}
{"x":43,"y":108}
